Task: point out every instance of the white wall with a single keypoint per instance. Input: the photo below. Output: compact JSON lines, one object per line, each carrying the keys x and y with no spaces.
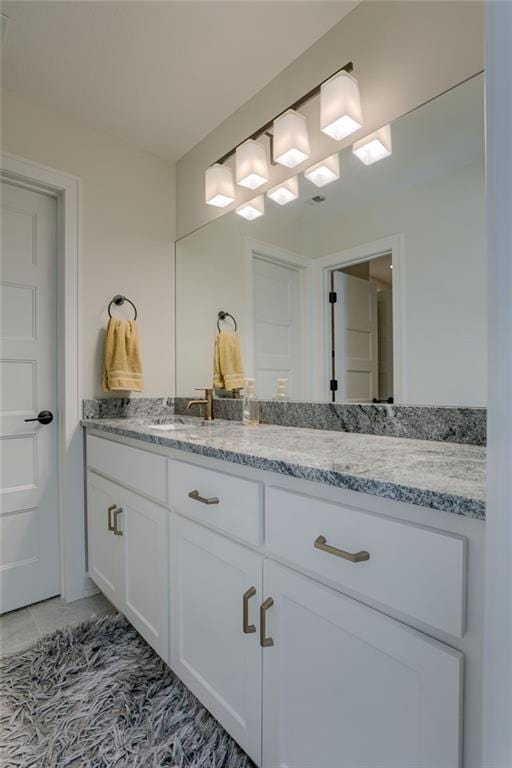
{"x":404,"y":53}
{"x":126,"y":231}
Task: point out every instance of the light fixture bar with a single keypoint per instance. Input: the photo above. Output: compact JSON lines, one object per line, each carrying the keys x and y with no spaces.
{"x":348,"y":67}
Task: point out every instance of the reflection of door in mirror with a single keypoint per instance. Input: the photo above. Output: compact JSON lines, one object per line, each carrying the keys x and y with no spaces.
{"x":277,"y":352}
{"x":362,"y":332}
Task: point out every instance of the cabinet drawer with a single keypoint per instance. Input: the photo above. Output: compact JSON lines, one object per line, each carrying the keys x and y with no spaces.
{"x":230,"y":504}
{"x":416,"y":571}
{"x":140,"y":470}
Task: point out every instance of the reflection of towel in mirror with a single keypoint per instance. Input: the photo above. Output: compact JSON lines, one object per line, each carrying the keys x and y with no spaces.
{"x":122,"y":368}
{"x":228,"y":372}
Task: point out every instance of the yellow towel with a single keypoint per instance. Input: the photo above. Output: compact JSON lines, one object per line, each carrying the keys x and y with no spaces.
{"x":228,"y":372}
{"x":122,"y":368}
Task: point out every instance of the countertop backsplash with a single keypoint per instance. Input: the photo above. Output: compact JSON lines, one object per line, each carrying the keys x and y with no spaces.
{"x":451,"y":424}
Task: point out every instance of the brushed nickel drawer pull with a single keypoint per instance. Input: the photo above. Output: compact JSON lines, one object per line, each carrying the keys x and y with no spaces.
{"x":265,"y":641}
{"x":117,"y":512}
{"x":354,"y":557}
{"x":248,"y":628}
{"x":109,"y":517}
{"x":203,"y":499}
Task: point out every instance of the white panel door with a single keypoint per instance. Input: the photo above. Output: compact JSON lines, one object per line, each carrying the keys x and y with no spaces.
{"x":355,"y":339}
{"x":144,"y":527}
{"x":106,"y":551}
{"x":212,"y":651}
{"x":29,"y":517}
{"x":277,"y":344}
{"x":346,"y":687}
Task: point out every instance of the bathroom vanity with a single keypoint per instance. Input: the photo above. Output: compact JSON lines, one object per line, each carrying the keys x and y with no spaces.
{"x":326,"y":611}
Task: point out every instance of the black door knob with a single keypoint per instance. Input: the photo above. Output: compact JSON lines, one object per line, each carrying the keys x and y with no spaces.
{"x":43,"y":417}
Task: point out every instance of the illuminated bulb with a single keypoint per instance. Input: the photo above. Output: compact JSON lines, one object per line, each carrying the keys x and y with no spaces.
{"x":340,"y":106}
{"x":219,"y":187}
{"x":251,"y":165}
{"x":285,"y":192}
{"x":325,"y":172}
{"x":252,"y":209}
{"x":374,"y":147}
{"x":291,"y":140}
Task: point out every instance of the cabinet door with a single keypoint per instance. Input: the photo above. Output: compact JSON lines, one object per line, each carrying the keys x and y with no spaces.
{"x":210,"y":651}
{"x":144,"y":527}
{"x":344,"y":685}
{"x":105,"y":548}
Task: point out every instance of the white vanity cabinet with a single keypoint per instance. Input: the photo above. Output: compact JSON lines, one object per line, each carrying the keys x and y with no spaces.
{"x":128,"y":542}
{"x":308,"y":658}
{"x":344,"y":685}
{"x":216,"y":590}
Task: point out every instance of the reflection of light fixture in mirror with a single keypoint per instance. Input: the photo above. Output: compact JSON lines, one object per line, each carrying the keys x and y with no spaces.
{"x":340,"y":106}
{"x":251,"y":164}
{"x":285,"y":192}
{"x":374,"y":147}
{"x":253,"y":209}
{"x":219,"y":187}
{"x":291,"y":140}
{"x":324,"y":172}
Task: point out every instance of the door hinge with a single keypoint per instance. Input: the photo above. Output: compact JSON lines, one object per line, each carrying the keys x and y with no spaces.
{"x":333,"y":385}
{"x":333,"y":297}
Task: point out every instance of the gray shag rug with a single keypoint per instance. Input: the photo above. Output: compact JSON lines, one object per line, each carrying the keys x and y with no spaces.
{"x":97,"y":696}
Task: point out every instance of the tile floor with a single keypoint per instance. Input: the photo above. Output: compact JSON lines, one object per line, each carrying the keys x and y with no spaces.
{"x":20,"y":629}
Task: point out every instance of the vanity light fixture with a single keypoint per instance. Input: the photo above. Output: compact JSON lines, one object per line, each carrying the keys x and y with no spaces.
{"x":285,"y":192}
{"x":291,"y":140}
{"x":340,"y":106}
{"x":253,"y":209}
{"x":324,"y":172}
{"x":375,"y":146}
{"x":219,"y":186}
{"x":251,"y":164}
{"x":288,"y":135}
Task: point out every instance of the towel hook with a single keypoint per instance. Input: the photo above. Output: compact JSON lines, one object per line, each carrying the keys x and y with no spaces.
{"x":222,"y":316}
{"x":118,"y":300}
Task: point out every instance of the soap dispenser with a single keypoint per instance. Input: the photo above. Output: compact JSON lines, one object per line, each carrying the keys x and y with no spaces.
{"x":251,"y":406}
{"x":281,"y":394}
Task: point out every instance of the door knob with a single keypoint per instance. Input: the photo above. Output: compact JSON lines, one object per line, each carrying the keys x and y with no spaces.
{"x":43,"y":417}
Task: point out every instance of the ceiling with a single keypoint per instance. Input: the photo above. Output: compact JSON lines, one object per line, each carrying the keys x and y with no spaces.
{"x":160,"y":75}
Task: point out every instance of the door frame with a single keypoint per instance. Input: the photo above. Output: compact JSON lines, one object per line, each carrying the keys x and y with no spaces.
{"x":304,"y":266}
{"x":65,"y":189}
{"x":322,"y":268}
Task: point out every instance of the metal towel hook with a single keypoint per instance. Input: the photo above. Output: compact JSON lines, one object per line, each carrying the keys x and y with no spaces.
{"x":118,"y":300}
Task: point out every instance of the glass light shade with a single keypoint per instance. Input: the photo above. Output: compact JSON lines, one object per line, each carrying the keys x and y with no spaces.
{"x":285,"y":192}
{"x":291,"y":140}
{"x":251,"y":165}
{"x":374,"y":147}
{"x":340,"y":106}
{"x":324,"y":172}
{"x":253,"y":209}
{"x":219,"y":186}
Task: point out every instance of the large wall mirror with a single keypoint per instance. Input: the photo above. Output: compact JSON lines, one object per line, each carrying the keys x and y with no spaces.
{"x":371,"y":288}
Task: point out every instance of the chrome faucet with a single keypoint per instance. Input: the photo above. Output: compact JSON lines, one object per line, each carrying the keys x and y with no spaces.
{"x":207,"y":402}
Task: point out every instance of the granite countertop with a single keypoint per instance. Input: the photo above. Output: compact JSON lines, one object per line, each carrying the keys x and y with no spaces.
{"x":439,"y":475}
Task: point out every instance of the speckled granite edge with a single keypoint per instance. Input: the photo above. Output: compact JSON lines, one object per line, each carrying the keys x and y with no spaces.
{"x":457,"y":505}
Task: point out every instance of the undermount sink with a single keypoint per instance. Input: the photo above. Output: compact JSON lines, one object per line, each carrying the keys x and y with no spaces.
{"x":180,"y":424}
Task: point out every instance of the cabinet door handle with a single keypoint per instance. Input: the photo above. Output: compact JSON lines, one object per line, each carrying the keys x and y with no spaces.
{"x":117,"y":512}
{"x":109,"y":517}
{"x":354,"y":557}
{"x":265,"y":641}
{"x":248,"y":628}
{"x":203,"y":499}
